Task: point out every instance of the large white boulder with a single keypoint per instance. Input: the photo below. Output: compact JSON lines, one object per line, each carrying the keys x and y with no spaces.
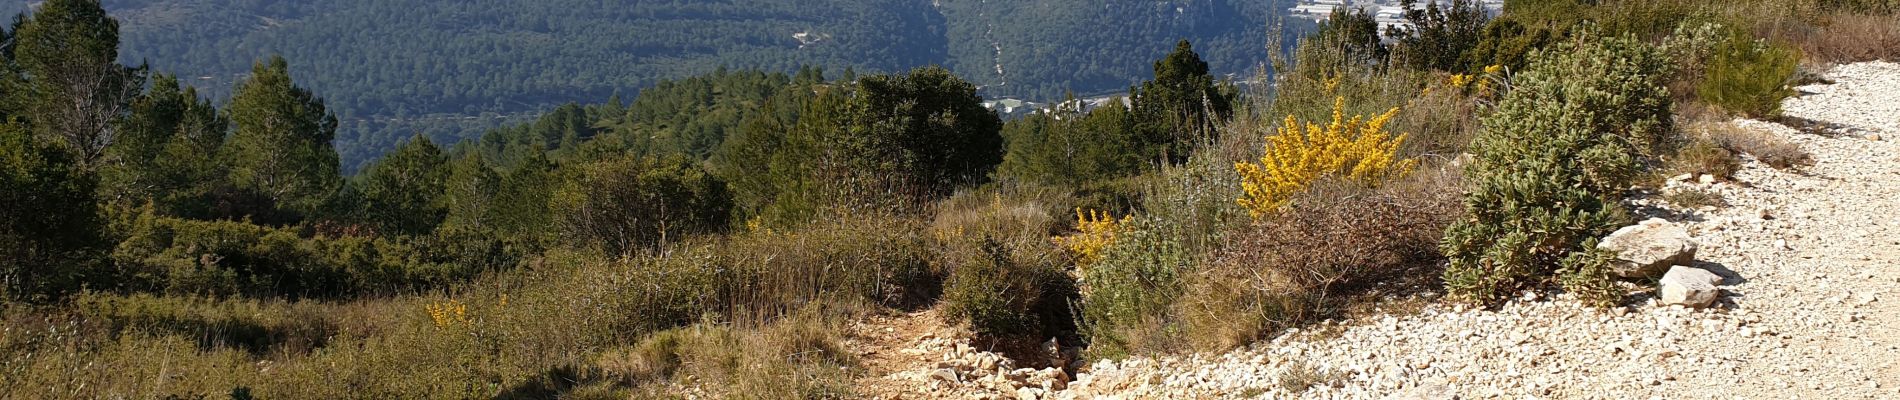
{"x":1647,"y":249}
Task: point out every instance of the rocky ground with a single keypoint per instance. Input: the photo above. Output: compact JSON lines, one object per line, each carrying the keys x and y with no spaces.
{"x":1809,"y":306}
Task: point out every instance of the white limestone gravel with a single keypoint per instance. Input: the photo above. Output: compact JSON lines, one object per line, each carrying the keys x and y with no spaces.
{"x":1810,"y":305}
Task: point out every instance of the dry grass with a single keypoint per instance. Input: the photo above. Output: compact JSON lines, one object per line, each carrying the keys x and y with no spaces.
{"x":1702,"y":156}
{"x":1764,"y":146}
{"x":1332,"y":242}
{"x":1842,"y":37}
{"x":566,"y":326}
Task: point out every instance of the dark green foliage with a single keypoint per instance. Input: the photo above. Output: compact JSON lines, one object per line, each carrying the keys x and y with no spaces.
{"x":401,"y":193}
{"x":282,"y":147}
{"x":1509,"y":41}
{"x":1073,"y":148}
{"x":1439,"y":37}
{"x":1011,"y":289}
{"x":1182,"y":107}
{"x":693,"y":116}
{"x":1749,"y":76}
{"x":520,"y":206}
{"x":1352,"y":35}
{"x":929,"y":127}
{"x":49,"y":225}
{"x":391,"y":69}
{"x":235,"y":258}
{"x":167,"y":153}
{"x":1552,"y":164}
{"x":626,"y":205}
{"x":881,"y":141}
{"x":78,"y":90}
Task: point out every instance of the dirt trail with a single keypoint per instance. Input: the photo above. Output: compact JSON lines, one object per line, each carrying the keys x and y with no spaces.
{"x":1810,"y":305}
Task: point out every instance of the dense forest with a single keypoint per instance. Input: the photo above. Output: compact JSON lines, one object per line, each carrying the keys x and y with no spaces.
{"x":450,"y":70}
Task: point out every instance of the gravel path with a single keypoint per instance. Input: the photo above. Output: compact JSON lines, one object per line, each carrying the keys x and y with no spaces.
{"x":1810,"y":309}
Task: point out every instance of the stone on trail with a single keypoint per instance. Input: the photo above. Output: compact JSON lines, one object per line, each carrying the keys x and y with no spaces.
{"x":1689,"y":287}
{"x":1647,"y":249}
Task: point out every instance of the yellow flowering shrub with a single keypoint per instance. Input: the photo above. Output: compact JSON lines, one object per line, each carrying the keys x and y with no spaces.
{"x":448,"y":313}
{"x":1358,"y":149}
{"x":1096,"y":231}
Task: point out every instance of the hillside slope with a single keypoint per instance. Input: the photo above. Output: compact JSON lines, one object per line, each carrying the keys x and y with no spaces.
{"x":454,"y":69}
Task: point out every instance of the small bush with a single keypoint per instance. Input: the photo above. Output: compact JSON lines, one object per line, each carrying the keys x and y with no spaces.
{"x":1749,"y":76}
{"x":1336,"y":240}
{"x":1358,"y":150}
{"x":1705,"y":157}
{"x":1095,"y":231}
{"x":1438,"y":37}
{"x":1013,"y":290}
{"x":1128,"y":294}
{"x":628,"y":204}
{"x":1695,"y":198}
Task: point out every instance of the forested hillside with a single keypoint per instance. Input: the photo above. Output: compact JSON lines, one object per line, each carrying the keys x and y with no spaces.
{"x":453,"y":69}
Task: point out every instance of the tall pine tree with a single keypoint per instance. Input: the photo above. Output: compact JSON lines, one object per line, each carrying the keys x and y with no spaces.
{"x":75,"y":90}
{"x":1182,"y":104}
{"x":401,"y":191}
{"x":282,"y":147}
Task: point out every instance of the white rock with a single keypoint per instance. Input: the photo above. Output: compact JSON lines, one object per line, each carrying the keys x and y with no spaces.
{"x":1689,"y":287}
{"x":1649,"y":248}
{"x":946,"y":375}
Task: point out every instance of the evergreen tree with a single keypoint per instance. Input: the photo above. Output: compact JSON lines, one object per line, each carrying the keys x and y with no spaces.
{"x":282,"y":147}
{"x":468,"y":197}
{"x":75,"y":90}
{"x":1439,"y":38}
{"x":1067,"y":147}
{"x":521,"y":203}
{"x":401,"y":192}
{"x":166,"y":152}
{"x":49,"y":223}
{"x":1181,"y":105}
{"x":928,"y":126}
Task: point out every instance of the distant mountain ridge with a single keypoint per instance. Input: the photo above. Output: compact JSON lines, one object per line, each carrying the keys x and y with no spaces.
{"x":453,"y":69}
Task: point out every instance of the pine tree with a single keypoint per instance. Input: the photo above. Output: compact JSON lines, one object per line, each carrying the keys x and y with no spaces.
{"x":1181,"y":105}
{"x":75,"y":90}
{"x":166,"y":152}
{"x":468,"y":196}
{"x":282,"y":146}
{"x":401,"y":191}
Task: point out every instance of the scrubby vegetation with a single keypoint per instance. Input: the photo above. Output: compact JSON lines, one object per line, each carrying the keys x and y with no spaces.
{"x":714,"y":235}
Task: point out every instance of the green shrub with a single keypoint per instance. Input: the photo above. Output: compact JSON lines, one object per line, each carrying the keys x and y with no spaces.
{"x":629,"y":204}
{"x":1552,"y":164}
{"x":49,"y":225}
{"x":1749,"y":76}
{"x":1438,"y":38}
{"x":1012,"y":290}
{"x":1128,"y":295}
{"x":223,"y":258}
